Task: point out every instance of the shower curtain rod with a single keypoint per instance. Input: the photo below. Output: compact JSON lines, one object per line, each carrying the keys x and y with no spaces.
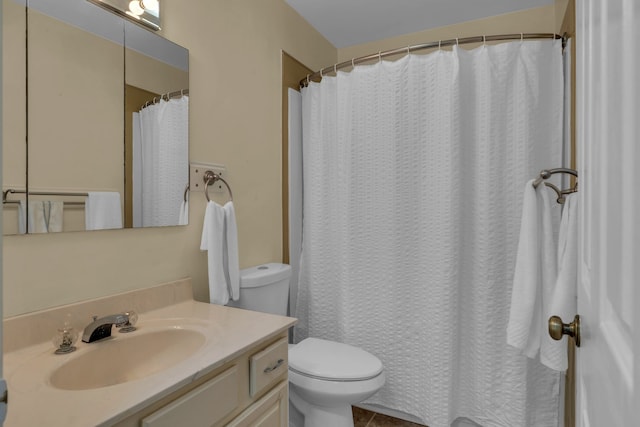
{"x":166,"y":96}
{"x":430,"y":45}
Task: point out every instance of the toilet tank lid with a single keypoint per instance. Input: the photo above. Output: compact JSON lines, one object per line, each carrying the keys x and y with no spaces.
{"x":264,"y":274}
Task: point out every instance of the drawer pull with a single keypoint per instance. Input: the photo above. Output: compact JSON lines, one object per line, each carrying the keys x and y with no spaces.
{"x":274,"y":367}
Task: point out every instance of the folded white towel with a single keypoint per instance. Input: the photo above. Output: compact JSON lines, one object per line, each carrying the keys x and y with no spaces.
{"x":233,"y":268}
{"x":563,"y":298}
{"x":535,"y":271}
{"x":183,"y":216}
{"x":219,"y":239}
{"x":54,"y":215}
{"x":36,"y":217}
{"x":102,"y":210}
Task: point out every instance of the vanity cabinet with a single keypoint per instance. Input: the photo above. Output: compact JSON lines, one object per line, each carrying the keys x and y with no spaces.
{"x":249,"y":390}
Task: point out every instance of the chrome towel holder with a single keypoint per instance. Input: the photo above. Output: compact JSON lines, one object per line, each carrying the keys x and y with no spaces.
{"x":209,"y":178}
{"x":546,"y":174}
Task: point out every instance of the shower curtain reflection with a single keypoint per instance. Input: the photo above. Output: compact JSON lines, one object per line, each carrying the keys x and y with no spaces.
{"x":413,"y":172}
{"x":160,"y":162}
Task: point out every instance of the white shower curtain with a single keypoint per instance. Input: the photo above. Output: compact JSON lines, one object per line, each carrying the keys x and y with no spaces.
{"x":161,"y":162}
{"x":413,"y":173}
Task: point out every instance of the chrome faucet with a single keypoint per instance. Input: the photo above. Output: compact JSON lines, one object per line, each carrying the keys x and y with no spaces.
{"x":101,"y":328}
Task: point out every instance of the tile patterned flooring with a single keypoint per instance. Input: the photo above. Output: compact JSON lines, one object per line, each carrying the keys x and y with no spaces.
{"x":364,"y":418}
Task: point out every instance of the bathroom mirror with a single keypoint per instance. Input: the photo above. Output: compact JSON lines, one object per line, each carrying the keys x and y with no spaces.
{"x":88,"y":71}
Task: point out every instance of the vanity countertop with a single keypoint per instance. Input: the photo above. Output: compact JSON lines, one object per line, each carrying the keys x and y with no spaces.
{"x":33,"y":401}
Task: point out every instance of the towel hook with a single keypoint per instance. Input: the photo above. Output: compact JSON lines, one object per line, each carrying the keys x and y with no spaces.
{"x":546,"y":174}
{"x":211,"y":177}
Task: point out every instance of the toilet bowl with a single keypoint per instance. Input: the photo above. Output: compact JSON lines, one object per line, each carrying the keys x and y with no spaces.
{"x":325,"y":377}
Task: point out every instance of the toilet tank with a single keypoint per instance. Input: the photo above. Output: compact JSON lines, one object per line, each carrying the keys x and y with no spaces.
{"x":264,"y":288}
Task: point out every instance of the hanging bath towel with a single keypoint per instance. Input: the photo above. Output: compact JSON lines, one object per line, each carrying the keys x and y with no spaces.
{"x":36,"y":219}
{"x":535,"y":272}
{"x":220,"y":240}
{"x":102,"y":210}
{"x":563,"y":298}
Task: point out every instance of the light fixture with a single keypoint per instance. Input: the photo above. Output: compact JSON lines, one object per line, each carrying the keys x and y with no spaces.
{"x":136,"y":8}
{"x":144,"y":12}
{"x":150,"y":5}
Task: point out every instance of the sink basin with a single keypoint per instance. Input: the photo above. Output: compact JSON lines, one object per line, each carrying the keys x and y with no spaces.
{"x":126,"y":358}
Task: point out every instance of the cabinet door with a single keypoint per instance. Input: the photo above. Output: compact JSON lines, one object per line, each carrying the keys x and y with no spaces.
{"x":203,"y":406}
{"x":272,"y":410}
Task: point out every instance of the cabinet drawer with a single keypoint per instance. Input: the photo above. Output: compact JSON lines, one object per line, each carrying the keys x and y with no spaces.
{"x":267,"y":366}
{"x":202,"y":406}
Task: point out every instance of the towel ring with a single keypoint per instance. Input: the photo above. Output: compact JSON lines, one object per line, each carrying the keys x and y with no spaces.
{"x":211,"y":177}
{"x":546,"y":174}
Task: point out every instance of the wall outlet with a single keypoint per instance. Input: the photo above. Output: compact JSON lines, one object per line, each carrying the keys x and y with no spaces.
{"x":196,"y":175}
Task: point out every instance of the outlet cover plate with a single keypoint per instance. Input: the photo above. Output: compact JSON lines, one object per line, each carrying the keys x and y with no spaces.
{"x":196,"y":174}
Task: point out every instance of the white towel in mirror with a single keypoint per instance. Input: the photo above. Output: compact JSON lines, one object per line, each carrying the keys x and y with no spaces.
{"x":102,"y":210}
{"x":54,"y":215}
{"x":36,"y":217}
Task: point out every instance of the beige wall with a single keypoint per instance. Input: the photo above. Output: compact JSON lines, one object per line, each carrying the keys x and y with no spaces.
{"x":75,"y":126}
{"x":145,"y":72}
{"x":538,"y":20}
{"x":13,"y":106}
{"x":235,"y":107}
{"x":235,"y":77}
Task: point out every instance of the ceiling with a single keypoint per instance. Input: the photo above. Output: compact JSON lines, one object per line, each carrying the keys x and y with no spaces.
{"x":351,"y":22}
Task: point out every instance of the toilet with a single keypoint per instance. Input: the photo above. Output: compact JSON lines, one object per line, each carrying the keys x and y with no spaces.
{"x":325,"y":377}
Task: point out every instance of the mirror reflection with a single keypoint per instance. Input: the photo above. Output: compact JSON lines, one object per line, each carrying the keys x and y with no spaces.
{"x":106,"y":124}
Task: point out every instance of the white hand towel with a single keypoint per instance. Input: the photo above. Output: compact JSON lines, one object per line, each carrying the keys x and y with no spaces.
{"x":183,"y":216}
{"x":102,"y":210}
{"x":219,"y":239}
{"x":54,"y":215}
{"x":36,"y":220}
{"x":233,"y":267}
{"x":563,"y":298}
{"x":535,"y":271}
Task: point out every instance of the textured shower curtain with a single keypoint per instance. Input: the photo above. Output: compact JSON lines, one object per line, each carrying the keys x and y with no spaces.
{"x":161,"y":162}
{"x":413,"y":179}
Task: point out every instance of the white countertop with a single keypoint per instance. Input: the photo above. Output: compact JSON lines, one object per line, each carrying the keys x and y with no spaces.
{"x":33,"y":401}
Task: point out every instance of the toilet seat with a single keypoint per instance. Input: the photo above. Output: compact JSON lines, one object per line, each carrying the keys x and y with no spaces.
{"x":332,"y":361}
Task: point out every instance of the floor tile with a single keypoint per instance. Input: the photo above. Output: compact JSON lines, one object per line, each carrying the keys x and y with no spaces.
{"x":361,"y":417}
{"x":380,"y":420}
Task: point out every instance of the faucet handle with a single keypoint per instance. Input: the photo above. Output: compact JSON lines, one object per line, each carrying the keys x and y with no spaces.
{"x":132,"y":317}
{"x":64,"y":340}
